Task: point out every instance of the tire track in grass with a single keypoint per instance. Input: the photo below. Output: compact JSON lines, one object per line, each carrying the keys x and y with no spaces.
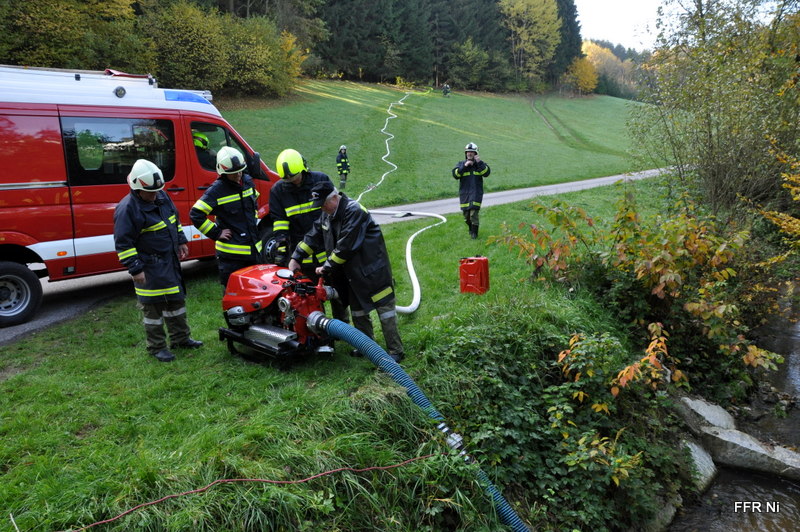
{"x":568,"y":135}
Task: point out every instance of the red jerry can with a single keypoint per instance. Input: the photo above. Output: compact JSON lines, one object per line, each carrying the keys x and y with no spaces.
{"x":474,"y":273}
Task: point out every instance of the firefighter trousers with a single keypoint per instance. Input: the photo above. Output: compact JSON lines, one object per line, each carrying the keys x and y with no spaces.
{"x":156,"y":315}
{"x":387,"y":314}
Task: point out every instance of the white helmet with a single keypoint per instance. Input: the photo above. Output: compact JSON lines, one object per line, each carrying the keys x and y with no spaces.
{"x":230,"y":161}
{"x":471,"y":147}
{"x":342,"y":147}
{"x":145,"y":176}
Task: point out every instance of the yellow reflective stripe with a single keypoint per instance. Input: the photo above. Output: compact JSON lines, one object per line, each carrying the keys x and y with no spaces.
{"x":201,"y":205}
{"x":127,"y":253}
{"x":301,"y":209}
{"x":207,"y":226}
{"x":180,"y":228}
{"x":172,"y":219}
{"x":464,"y":205}
{"x":306,"y":248}
{"x":155,"y":227}
{"x":337,"y":259}
{"x":281,"y":225}
{"x":476,"y":204}
{"x":322,"y":257}
{"x":383,"y":293}
{"x":308,"y":260}
{"x":234,"y":249}
{"x":248,"y":192}
{"x":259,"y":245}
{"x":157,"y":292}
{"x":227,"y":199}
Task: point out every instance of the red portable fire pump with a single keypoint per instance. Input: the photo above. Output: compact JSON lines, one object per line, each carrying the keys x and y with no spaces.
{"x":266,"y":309}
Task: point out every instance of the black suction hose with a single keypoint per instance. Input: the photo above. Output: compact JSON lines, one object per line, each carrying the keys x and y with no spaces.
{"x":340,"y":330}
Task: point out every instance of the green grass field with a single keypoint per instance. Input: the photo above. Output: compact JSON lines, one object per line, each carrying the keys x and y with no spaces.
{"x":92,"y":427}
{"x":526,"y":143}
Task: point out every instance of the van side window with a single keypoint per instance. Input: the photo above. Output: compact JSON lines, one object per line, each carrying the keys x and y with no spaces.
{"x":208,"y":139}
{"x":101,"y":151}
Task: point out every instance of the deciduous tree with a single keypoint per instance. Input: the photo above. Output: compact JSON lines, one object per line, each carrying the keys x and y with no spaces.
{"x":534,"y":26}
{"x":717,"y":85}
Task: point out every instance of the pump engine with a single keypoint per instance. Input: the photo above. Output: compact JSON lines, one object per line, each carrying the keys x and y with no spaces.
{"x":266,"y":309}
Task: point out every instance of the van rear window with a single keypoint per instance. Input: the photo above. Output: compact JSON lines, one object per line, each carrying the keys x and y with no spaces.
{"x":101,"y":151}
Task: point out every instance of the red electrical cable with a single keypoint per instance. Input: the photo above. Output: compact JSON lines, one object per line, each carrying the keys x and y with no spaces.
{"x":231,"y":480}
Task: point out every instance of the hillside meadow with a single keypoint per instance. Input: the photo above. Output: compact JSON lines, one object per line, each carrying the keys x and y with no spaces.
{"x":92,"y":427}
{"x":527,"y":142}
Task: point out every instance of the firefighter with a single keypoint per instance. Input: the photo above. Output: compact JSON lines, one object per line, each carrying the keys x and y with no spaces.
{"x":290,"y":209}
{"x":150,"y":243}
{"x":342,"y":166}
{"x":233,"y":200}
{"x":356,"y":250}
{"x":202,"y":148}
{"x":470,"y":173}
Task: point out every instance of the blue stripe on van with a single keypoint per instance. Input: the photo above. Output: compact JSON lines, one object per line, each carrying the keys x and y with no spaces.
{"x":183,"y":96}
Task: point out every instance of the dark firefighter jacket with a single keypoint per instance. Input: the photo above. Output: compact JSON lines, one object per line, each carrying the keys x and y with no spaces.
{"x":342,"y":165}
{"x":355,"y":246}
{"x":470,"y":187}
{"x":236,"y":208}
{"x":146,"y":237}
{"x":292,"y":214}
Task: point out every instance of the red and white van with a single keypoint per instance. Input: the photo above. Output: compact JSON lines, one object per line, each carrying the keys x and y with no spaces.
{"x":67,"y":142}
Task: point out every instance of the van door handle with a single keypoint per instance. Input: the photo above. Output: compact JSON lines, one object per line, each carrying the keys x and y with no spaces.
{"x":175,"y":189}
{"x":205,"y":187}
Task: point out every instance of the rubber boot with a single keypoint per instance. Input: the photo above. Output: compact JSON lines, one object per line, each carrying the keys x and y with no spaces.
{"x":473,"y":231}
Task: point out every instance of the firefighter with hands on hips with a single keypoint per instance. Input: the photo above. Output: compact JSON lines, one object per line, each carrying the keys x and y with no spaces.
{"x":356,"y":250}
{"x":233,"y":200}
{"x":291,"y":211}
{"x":150,"y":243}
{"x":342,"y":166}
{"x":470,"y":173}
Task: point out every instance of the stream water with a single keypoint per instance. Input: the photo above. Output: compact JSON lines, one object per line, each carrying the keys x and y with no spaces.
{"x":741,"y":501}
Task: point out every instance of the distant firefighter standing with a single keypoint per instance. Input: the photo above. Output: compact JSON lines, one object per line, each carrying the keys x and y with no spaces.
{"x":470,"y":173}
{"x":342,"y":166}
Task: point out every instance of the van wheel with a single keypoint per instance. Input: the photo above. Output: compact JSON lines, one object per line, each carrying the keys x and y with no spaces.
{"x":20,"y":293}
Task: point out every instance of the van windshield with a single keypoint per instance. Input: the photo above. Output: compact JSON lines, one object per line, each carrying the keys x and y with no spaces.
{"x":101,"y":151}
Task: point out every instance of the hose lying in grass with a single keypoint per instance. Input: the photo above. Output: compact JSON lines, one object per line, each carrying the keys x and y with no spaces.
{"x":340,"y":330}
{"x":417,"y":293}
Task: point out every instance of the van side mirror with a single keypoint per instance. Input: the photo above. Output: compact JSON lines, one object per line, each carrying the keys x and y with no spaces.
{"x":254,"y":167}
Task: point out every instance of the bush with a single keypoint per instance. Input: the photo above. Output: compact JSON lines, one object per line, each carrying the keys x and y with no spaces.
{"x":191,"y":49}
{"x":548,"y":426}
{"x":262,"y":61}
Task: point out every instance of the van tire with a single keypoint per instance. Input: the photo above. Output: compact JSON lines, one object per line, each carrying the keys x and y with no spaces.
{"x":20,"y":293}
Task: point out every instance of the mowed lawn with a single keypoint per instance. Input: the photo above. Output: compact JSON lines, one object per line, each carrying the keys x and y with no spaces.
{"x":526,"y":142}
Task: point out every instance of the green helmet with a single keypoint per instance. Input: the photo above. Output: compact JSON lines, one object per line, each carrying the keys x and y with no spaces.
{"x":290,"y":163}
{"x":200,"y":140}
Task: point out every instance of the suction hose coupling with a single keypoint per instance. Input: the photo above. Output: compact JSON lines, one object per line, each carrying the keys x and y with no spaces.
{"x":318,"y":322}
{"x":454,"y":441}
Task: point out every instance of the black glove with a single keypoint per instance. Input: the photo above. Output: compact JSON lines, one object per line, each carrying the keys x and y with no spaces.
{"x":281,"y":259}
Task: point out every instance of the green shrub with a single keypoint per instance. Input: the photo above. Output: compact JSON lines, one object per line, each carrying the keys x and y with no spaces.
{"x":592,"y":461}
{"x":259,"y":62}
{"x":191,"y":49}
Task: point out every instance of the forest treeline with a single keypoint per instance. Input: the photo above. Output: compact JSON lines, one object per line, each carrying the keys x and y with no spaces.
{"x":260,"y":47}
